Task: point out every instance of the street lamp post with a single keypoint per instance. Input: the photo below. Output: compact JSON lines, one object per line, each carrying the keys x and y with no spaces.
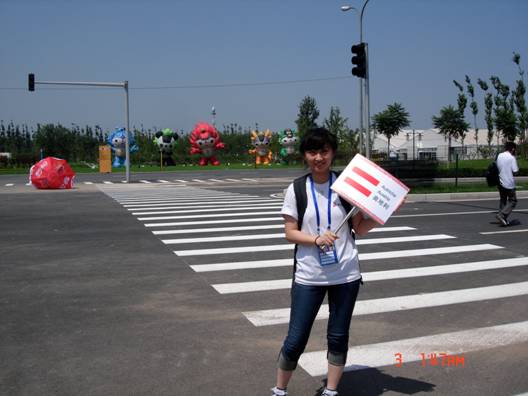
{"x":361,"y":132}
{"x":364,"y":102}
{"x":213,"y":113}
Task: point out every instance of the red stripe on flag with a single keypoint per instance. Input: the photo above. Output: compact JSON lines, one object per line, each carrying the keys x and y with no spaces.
{"x":365,"y":175}
{"x":358,"y":186}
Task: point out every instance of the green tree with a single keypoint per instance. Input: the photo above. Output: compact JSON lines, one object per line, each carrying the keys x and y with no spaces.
{"x":473,"y":106}
{"x":462,"y":103}
{"x":519,"y":98}
{"x":451,"y":124}
{"x":308,"y":113}
{"x":505,"y":118}
{"x":347,"y":139}
{"x":336,"y":123}
{"x":55,"y":140}
{"x":390,"y":121}
{"x":488,"y":109}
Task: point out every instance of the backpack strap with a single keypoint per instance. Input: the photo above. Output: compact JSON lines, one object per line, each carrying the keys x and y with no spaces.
{"x":301,"y":201}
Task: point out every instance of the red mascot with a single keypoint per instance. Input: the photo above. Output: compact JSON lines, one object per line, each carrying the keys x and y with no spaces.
{"x":205,"y":140}
{"x":51,"y":173}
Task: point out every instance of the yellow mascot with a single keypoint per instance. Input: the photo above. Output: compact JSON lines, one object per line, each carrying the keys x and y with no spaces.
{"x":261,"y":142}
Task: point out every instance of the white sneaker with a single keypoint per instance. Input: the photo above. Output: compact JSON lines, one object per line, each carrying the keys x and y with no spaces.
{"x":501,"y":218}
{"x":278,"y":392}
{"x":328,"y":392}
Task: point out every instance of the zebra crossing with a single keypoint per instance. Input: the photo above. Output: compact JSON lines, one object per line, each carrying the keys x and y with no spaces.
{"x":236,"y":241}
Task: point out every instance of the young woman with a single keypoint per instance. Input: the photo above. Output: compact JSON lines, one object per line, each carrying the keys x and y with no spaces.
{"x":326,"y":263}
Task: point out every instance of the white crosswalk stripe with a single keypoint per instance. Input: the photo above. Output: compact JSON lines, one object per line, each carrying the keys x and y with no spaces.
{"x":454,"y":343}
{"x":222,"y":248}
{"x":256,"y":227}
{"x":245,"y":287}
{"x":208,"y":210}
{"x":250,"y":220}
{"x":191,"y":200}
{"x":275,"y":212}
{"x":425,"y":300}
{"x":362,"y":257}
{"x":271,"y":248}
{"x":254,"y":202}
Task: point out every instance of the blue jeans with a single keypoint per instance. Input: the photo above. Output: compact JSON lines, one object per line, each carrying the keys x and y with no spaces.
{"x":306,"y":301}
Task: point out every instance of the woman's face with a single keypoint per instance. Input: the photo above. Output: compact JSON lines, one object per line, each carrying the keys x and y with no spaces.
{"x":319,"y":160}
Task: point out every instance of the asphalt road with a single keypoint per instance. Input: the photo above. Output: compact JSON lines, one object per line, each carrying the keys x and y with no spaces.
{"x":92,"y":302}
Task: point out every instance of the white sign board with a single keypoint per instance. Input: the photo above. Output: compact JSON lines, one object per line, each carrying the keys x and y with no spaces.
{"x":371,"y":188}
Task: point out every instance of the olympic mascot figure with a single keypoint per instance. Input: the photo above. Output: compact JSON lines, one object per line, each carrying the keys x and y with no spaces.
{"x":261,"y":142}
{"x":116,"y":140}
{"x":166,"y":140}
{"x":205,"y":140}
{"x":288,"y":140}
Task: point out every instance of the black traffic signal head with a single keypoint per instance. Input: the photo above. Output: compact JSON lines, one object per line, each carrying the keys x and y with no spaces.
{"x":31,"y":82}
{"x":359,"y":60}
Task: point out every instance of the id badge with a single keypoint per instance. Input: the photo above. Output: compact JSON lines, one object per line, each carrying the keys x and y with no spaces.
{"x":328,"y":256}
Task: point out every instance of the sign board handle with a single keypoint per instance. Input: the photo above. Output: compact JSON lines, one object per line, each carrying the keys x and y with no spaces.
{"x":352,"y":212}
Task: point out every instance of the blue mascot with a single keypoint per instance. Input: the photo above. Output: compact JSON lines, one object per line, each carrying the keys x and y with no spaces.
{"x":116,"y":140}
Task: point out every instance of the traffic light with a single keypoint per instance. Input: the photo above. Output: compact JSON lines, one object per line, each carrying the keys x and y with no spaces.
{"x":31,"y":81}
{"x":359,"y":60}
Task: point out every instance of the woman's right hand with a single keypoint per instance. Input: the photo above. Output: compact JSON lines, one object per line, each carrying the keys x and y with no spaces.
{"x":326,"y":240}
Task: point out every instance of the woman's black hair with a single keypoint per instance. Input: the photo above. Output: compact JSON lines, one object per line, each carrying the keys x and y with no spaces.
{"x":317,"y":139}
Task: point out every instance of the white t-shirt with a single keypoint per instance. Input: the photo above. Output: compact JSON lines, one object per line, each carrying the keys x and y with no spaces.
{"x":507,"y":165}
{"x":309,"y":270}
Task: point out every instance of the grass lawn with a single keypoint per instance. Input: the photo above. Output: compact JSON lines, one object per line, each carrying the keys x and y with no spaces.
{"x":79,"y":168}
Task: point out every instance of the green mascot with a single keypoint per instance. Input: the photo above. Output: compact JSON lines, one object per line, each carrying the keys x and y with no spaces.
{"x":288,"y":140}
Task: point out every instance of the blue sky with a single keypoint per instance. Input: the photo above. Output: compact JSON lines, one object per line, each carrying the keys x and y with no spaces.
{"x":417,"y":47}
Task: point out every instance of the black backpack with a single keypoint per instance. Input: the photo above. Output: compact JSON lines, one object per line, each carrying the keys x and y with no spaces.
{"x":492,"y":174}
{"x":301,"y":200}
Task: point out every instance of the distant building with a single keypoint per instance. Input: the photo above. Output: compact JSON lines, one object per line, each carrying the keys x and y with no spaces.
{"x":430,"y":144}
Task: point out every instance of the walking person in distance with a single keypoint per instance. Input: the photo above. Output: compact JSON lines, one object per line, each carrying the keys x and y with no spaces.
{"x":325,"y":262}
{"x":507,"y":165}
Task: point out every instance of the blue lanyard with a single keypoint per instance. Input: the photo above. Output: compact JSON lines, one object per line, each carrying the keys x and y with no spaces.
{"x":317,"y":206}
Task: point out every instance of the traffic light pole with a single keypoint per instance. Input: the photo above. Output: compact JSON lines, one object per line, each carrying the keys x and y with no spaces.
{"x":31,"y":86}
{"x":367,"y":104}
{"x":127,"y":143}
{"x":359,"y":60}
{"x":361,"y":71}
{"x":361,"y":119}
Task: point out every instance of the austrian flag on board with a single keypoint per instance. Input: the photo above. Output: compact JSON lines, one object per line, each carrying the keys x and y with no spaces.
{"x":371,"y":188}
